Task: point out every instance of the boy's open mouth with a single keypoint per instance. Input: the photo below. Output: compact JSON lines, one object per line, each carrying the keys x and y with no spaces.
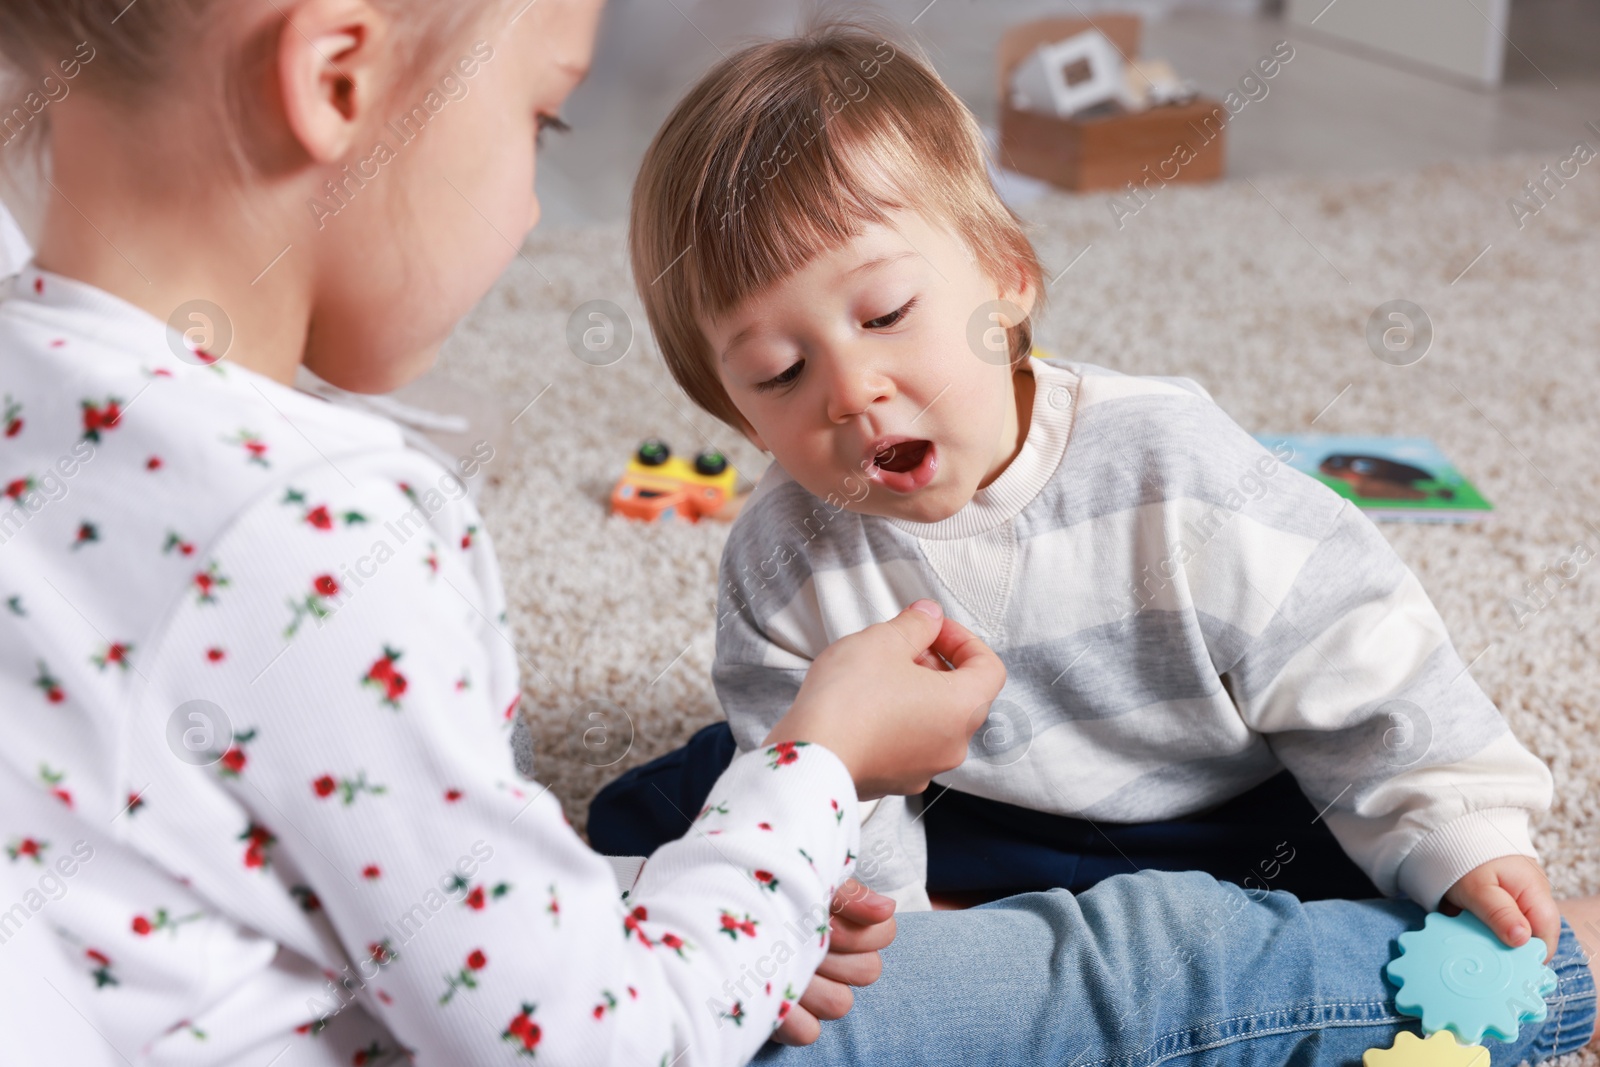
{"x":904,"y":465}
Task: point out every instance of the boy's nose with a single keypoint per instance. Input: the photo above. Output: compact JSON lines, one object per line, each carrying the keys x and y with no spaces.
{"x":854,"y":389}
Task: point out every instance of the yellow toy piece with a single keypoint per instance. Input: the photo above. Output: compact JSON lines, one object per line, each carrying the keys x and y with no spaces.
{"x":660,"y":485}
{"x":1440,"y":1050}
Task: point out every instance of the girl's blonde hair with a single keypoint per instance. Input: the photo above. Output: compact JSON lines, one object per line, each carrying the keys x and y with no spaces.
{"x":126,"y":51}
{"x":786,"y":150}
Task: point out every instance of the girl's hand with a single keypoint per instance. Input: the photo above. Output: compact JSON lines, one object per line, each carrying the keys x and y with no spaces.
{"x":1512,"y":896}
{"x":884,"y":703}
{"x":862,"y":925}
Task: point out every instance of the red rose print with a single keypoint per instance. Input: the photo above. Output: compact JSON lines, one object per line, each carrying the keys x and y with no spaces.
{"x":27,"y":848}
{"x":452,"y":795}
{"x":52,"y":781}
{"x":371,"y":1054}
{"x":766,"y":880}
{"x":630,"y":925}
{"x":47,"y":682}
{"x":325,"y":585}
{"x":763,"y":826}
{"x":475,"y":899}
{"x":255,"y":448}
{"x":116,"y":654}
{"x":319,"y":517}
{"x":163,"y":921}
{"x":38,"y":286}
{"x":255,"y":853}
{"x":784,"y":753}
{"x":465,"y":977}
{"x":153,"y":463}
{"x":347,"y":788}
{"x":207,"y":582}
{"x":234,"y":759}
{"x":383,"y":675}
{"x":17,"y":488}
{"x":524,"y":1032}
{"x":102,"y":417}
{"x":215,"y":655}
{"x":371,"y":872}
{"x":733,"y":926}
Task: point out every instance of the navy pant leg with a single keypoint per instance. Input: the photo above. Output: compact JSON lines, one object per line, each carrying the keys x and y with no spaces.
{"x":656,"y":802}
{"x":1269,"y":837}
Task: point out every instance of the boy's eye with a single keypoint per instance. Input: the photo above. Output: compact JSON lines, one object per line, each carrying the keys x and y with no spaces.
{"x":885,"y":321}
{"x":783,"y":379}
{"x":545,"y":122}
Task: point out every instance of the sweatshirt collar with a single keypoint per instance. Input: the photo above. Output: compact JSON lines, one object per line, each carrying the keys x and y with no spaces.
{"x":1054,"y":402}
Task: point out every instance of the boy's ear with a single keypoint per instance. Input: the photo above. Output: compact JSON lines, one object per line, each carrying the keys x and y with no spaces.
{"x":1021,"y":292}
{"x":330,"y":67}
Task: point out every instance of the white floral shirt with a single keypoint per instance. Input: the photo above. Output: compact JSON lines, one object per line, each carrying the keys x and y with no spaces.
{"x":257,"y":690}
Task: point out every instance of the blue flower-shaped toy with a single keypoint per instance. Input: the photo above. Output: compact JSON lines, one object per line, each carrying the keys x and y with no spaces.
{"x":1455,"y":974}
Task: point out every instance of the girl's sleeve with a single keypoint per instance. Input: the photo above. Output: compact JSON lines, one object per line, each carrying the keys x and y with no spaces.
{"x":351,"y":632}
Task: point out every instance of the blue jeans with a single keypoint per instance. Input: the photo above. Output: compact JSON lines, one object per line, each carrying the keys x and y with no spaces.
{"x":1155,"y":968}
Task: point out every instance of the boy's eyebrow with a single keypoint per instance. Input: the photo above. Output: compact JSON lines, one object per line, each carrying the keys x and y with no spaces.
{"x":734,"y":343}
{"x":875,"y":261}
{"x":878,"y":261}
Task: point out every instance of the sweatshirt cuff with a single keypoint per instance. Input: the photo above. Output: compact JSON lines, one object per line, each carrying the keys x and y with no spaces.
{"x":1440,"y":859}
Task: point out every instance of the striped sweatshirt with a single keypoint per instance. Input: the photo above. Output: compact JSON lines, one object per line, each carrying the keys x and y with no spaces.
{"x":1181,"y":614}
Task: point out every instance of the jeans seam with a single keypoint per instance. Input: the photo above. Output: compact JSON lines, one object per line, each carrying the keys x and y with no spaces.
{"x":1387,"y":1016}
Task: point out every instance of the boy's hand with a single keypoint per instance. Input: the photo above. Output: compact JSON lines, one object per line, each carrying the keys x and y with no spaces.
{"x":1512,"y":896}
{"x":863,"y":923}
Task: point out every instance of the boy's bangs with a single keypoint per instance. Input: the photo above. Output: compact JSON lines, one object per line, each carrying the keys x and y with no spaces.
{"x":800,"y":183}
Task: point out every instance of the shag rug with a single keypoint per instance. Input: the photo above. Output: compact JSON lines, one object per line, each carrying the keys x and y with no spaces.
{"x":1262,"y":292}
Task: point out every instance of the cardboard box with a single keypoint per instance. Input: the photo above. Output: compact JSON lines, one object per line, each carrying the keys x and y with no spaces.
{"x":1180,"y":143}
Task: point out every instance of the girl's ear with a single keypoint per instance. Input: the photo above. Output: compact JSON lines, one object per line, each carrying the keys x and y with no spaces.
{"x":330,"y":66}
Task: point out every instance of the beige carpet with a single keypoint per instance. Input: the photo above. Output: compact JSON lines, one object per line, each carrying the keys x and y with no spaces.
{"x":1261,"y":293}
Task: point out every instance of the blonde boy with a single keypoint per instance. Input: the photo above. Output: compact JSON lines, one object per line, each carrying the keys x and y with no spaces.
{"x":1181,"y":615}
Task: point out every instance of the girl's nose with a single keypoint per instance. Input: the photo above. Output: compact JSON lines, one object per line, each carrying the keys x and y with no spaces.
{"x":855,"y":387}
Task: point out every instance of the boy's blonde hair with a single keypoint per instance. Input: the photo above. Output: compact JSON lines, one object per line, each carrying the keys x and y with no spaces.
{"x":786,"y":150}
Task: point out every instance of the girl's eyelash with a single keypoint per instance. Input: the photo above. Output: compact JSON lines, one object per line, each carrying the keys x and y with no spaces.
{"x":898,"y":314}
{"x":549,"y":122}
{"x":787,"y":377}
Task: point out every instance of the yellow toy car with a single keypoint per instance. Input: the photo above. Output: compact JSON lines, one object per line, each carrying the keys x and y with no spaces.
{"x":659,"y":485}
